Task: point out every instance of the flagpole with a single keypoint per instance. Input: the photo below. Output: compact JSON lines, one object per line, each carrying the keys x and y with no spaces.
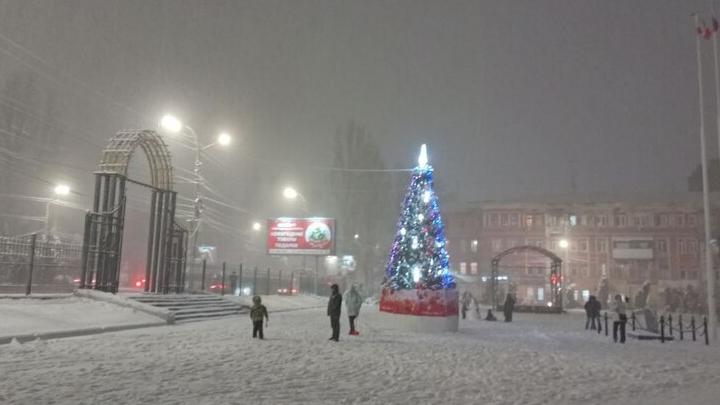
{"x":710,"y":274}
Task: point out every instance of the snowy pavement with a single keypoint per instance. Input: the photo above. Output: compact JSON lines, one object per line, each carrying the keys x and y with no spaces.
{"x":27,"y":316}
{"x":539,"y":359}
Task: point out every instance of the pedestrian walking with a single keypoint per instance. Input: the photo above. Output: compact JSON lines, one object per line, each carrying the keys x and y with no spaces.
{"x":353,"y":302}
{"x":620,"y":319}
{"x":334,"y":310}
{"x":592,"y":312}
{"x":464,"y":304}
{"x":509,"y":307}
{"x":258,"y":312}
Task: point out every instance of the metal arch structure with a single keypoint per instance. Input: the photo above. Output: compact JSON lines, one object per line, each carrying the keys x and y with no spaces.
{"x":555,"y":272}
{"x":116,"y":156}
{"x":104,"y":225}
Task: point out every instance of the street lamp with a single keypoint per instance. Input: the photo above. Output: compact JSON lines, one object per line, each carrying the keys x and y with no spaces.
{"x":256,"y":226}
{"x":173,"y":125}
{"x":290,"y":193}
{"x":60,"y":190}
{"x":564,"y":244}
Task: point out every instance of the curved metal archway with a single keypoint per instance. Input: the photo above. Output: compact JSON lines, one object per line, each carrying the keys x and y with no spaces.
{"x":167,"y":241}
{"x":116,"y":156}
{"x":555,"y":272}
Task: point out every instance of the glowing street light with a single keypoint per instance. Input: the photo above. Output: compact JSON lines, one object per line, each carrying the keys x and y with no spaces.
{"x":564,"y":244}
{"x":356,"y":236}
{"x":171,"y":124}
{"x":290,"y":193}
{"x":224,"y":139}
{"x":62,"y":190}
{"x":256,"y":226}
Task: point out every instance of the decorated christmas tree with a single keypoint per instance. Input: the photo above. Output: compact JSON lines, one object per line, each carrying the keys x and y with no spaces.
{"x":418,"y":278}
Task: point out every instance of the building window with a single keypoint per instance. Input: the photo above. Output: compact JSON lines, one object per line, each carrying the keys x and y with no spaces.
{"x":645,"y":221}
{"x":682,"y":247}
{"x":583,"y":246}
{"x":463,"y":268}
{"x":463,"y":246}
{"x":664,"y":220}
{"x":621,"y":220}
{"x":514,"y":220}
{"x":473,"y":268}
{"x":494,"y":220}
{"x":604,"y":220}
{"x":528,"y":221}
{"x":602,"y":245}
{"x":692,"y":220}
{"x":680,"y":220}
{"x":661,"y":245}
{"x":504,"y":221}
{"x":691,"y":246}
{"x":474,"y":246}
{"x":573,"y":220}
{"x":496,"y":245}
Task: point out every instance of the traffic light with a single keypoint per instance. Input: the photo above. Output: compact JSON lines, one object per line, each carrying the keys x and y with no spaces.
{"x":553,"y":279}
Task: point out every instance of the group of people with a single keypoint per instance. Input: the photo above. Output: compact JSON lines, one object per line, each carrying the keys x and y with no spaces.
{"x":508,"y":307}
{"x":619,"y":309}
{"x":353,"y":302}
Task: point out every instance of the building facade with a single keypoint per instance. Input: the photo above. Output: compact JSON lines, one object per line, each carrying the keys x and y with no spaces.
{"x":629,"y":243}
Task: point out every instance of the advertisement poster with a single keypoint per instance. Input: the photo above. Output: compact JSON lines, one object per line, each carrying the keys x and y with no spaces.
{"x":301,"y":236}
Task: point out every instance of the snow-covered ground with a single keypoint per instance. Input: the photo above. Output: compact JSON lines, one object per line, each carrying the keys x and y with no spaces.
{"x":30,"y":316}
{"x":282,"y":303}
{"x":539,"y":359}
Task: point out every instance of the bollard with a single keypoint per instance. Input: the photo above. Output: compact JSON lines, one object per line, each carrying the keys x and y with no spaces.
{"x":662,"y":329}
{"x":692,"y":326}
{"x":632,"y":316}
{"x":240,"y":287}
{"x":268,"y":282}
{"x":680,"y":325}
{"x":606,"y":324}
{"x":222,"y":285}
{"x":670,"y":327}
{"x":33,"y":242}
{"x":707,"y":338}
{"x":202,"y":282}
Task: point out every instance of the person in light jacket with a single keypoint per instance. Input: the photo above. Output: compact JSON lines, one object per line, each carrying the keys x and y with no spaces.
{"x":620,"y":318}
{"x":334,"y":310}
{"x":353,"y":302}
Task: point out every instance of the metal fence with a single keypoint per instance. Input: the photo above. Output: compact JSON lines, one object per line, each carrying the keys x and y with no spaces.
{"x":33,"y":264}
{"x":238,"y":279}
{"x":666,"y":327}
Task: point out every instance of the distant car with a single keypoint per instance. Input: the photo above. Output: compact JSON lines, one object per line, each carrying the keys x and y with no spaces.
{"x":287,"y":291}
{"x":217,"y":288}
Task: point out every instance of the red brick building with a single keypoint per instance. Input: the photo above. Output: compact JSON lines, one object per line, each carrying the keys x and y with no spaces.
{"x":656,"y":239}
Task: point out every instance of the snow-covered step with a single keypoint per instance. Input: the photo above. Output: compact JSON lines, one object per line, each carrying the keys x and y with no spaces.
{"x":187,"y":308}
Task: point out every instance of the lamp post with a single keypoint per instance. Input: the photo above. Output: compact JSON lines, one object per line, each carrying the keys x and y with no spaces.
{"x":174,"y":125}
{"x":61,"y":190}
{"x":564,"y":244}
{"x":292,"y":194}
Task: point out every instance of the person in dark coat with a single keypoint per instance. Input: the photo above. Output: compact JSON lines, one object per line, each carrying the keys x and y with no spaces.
{"x":258,"y":312}
{"x":334,"y":310}
{"x":592,"y":312}
{"x":508,"y":308}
